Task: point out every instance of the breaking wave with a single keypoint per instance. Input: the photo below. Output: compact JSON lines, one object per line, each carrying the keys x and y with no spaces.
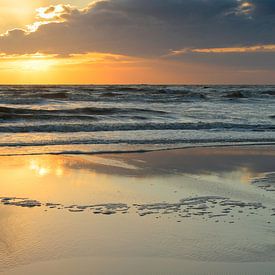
{"x":177,"y":115}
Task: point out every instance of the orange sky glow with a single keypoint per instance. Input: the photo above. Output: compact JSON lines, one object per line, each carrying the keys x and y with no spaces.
{"x":186,"y":65}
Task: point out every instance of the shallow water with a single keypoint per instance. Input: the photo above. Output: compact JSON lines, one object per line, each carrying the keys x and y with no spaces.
{"x":225,"y":216}
{"x":84,"y":119}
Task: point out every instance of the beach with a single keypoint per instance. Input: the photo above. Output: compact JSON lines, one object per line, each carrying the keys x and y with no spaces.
{"x":137,"y":137}
{"x":207,"y":210}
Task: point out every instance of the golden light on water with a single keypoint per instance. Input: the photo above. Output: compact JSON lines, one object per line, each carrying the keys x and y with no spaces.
{"x":59,"y":172}
{"x":42,"y":169}
{"x":38,"y":168}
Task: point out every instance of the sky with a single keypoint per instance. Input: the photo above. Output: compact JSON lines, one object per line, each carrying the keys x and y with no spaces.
{"x":137,"y":41}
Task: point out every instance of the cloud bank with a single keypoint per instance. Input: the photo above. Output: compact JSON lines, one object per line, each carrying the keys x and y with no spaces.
{"x":237,"y":34}
{"x":145,"y":27}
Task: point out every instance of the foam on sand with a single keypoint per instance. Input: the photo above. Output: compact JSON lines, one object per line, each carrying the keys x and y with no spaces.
{"x":206,"y":207}
{"x":265,"y":182}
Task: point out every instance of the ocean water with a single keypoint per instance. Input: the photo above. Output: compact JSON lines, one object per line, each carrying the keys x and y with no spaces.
{"x":96,"y":119}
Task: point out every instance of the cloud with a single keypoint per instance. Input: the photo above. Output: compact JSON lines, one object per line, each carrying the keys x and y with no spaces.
{"x":57,"y":12}
{"x":235,"y":60}
{"x":146,"y":28}
{"x":249,"y":49}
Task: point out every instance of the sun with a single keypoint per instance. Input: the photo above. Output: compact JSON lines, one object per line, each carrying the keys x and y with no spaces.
{"x":17,"y":14}
{"x":36,"y":65}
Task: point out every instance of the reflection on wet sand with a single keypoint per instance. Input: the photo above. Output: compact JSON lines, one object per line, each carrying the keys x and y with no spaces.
{"x":189,"y":161}
{"x":160,"y":204}
{"x":74,"y":180}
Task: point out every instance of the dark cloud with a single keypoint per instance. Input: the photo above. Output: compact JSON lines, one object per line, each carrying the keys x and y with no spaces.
{"x":150,"y":27}
{"x":241,"y":61}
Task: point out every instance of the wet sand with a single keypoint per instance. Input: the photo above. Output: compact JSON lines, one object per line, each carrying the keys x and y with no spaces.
{"x":203,"y":210}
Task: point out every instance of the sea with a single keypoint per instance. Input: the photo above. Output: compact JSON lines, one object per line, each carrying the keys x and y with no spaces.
{"x":94,"y":119}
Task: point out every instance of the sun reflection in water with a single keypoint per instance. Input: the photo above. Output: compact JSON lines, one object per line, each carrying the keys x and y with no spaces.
{"x":39,"y":169}
{"x":59,"y":172}
{"x":42,"y":169}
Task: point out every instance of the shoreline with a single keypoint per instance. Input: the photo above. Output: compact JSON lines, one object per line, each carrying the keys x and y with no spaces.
{"x":76,"y":153}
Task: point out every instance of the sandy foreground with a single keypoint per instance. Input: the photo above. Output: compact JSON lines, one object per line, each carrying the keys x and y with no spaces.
{"x":192,"y":211}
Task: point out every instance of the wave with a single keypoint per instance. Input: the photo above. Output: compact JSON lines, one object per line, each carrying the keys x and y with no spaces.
{"x":79,"y":115}
{"x":105,"y":92}
{"x":184,"y":90}
{"x":131,"y":151}
{"x":137,"y":142}
{"x":50,"y":117}
{"x":10,"y":112}
{"x":107,"y":127}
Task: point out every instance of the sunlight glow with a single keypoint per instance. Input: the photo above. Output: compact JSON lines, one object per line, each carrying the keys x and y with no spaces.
{"x":35,"y":65}
{"x":45,"y":168}
{"x":53,"y":12}
{"x":33,"y":27}
{"x":49,"y":68}
{"x":28,"y":62}
{"x":246,"y":7}
{"x":38,"y":169}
